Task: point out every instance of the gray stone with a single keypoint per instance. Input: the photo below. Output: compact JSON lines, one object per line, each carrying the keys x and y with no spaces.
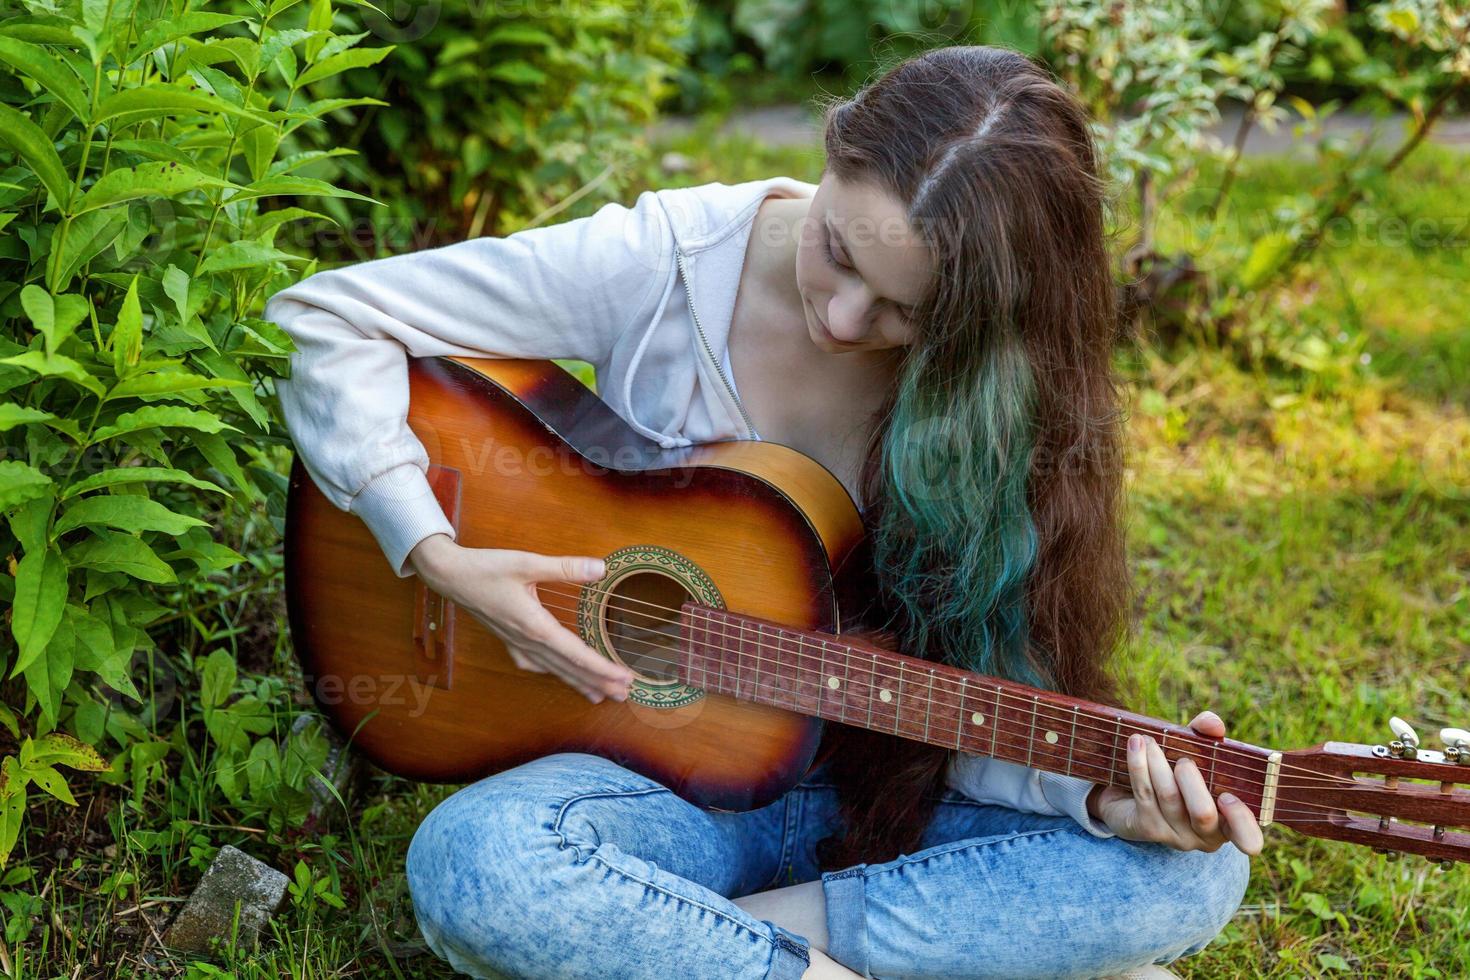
{"x":234,"y":878}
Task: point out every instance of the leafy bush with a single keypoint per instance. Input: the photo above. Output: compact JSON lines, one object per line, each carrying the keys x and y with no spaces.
{"x":495,"y":118}
{"x":138,"y":149}
{"x":1153,"y":77}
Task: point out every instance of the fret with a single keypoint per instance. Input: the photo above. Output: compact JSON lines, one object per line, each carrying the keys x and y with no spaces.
{"x":760,"y":630}
{"x":731,"y":676}
{"x":872,"y":692}
{"x":995,"y":722}
{"x":1214,"y":752}
{"x":729,"y":672}
{"x":929,"y":705}
{"x":898,"y":701}
{"x":1031,"y":738}
{"x":777,"y":668}
{"x":735,"y":657}
{"x":698,"y":621}
{"x":846,"y":666}
{"x":821,"y":677}
{"x":1072,"y":742}
{"x":1117,"y":747}
{"x":960,"y":727}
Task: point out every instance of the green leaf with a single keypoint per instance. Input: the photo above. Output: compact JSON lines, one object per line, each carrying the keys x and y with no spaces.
{"x":60,"y":749}
{"x":40,"y":598}
{"x":48,"y":70}
{"x":245,"y":255}
{"x":343,"y":61}
{"x":1265,"y":257}
{"x":127,"y":336}
{"x":52,"y":782}
{"x":516,"y":72}
{"x":100,"y":651}
{"x":128,"y":511}
{"x":167,"y":99}
{"x":173,"y":28}
{"x":8,"y":719}
{"x":55,"y":317}
{"x":154,"y":416}
{"x":115,"y":552}
{"x":296,"y":186}
{"x":12,"y":805}
{"x":55,"y":366}
{"x":164,"y":178}
{"x":20,"y":482}
{"x":12,"y":415}
{"x":138,"y":474}
{"x":216,"y":679}
{"x":87,"y":235}
{"x":37,"y":150}
{"x":222,"y":457}
{"x":48,"y":675}
{"x":165,"y":383}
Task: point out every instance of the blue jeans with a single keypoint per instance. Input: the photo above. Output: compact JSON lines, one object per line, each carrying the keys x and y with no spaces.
{"x":573,"y":866}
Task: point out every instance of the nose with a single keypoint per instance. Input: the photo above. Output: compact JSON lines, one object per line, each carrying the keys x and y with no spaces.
{"x":848,"y":313}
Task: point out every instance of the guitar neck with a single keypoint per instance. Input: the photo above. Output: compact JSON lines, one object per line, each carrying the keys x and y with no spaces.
{"x":857,"y":683}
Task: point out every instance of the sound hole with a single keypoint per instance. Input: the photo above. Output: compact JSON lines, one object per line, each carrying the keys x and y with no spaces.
{"x":642,"y":623}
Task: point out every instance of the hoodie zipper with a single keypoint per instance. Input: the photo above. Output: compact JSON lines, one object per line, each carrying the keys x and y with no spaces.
{"x":689,"y":293}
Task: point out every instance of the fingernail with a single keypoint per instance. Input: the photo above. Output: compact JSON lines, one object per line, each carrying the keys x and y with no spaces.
{"x":596,"y":569}
{"x":1135,"y":743}
{"x":1229,"y":799}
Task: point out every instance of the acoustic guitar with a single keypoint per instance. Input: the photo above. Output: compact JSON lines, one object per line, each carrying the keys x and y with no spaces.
{"x":732,"y":568}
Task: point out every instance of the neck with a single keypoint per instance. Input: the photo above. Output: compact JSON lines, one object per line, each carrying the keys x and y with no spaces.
{"x":856,"y":683}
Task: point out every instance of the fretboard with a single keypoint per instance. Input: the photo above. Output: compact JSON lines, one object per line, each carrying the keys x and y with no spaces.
{"x":857,"y":683}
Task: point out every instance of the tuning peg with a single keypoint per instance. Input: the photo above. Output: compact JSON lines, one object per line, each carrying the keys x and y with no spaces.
{"x":1406,"y":741}
{"x":1457,"y":745}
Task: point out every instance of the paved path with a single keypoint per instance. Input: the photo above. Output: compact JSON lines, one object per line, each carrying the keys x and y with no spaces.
{"x":795,"y":125}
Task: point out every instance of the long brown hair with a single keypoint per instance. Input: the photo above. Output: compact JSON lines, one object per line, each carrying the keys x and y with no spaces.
{"x":1007,"y":559}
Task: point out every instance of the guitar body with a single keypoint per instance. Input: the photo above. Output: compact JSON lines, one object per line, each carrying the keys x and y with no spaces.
{"x":527,"y":458}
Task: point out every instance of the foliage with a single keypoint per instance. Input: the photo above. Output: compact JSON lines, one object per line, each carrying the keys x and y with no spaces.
{"x":1153,"y":77}
{"x":139,"y":145}
{"x":493,"y":120}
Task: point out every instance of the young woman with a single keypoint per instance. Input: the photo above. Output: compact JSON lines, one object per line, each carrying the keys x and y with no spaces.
{"x":943,"y":293}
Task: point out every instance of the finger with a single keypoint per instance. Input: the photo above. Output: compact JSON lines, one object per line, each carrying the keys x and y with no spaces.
{"x":575,"y":681}
{"x":1208,"y":723}
{"x":566,"y":568}
{"x":1204,"y":817}
{"x":1243,"y":829}
{"x":1140,"y":780}
{"x":1166,"y":790}
{"x":598,"y":670}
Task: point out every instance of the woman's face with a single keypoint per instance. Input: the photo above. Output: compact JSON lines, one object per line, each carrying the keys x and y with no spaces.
{"x":860,"y":268}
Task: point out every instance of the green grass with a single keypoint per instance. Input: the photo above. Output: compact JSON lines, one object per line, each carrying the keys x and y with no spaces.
{"x":1301,"y":541}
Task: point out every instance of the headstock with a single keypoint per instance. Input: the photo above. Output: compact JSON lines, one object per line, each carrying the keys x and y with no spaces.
{"x":1394,"y":797}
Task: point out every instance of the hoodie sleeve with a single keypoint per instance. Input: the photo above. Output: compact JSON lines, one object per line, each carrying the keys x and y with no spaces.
{"x":1028,"y":790}
{"x":567,"y":290}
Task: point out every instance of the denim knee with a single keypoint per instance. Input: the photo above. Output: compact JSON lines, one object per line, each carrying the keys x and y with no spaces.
{"x":1195,"y":896}
{"x":477,"y":868}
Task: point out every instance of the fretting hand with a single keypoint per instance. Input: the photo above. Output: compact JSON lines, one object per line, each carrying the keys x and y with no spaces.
{"x":1172,"y":805}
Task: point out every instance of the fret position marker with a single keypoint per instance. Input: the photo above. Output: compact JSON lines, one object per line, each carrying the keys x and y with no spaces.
{"x":885,"y":695}
{"x":1052,"y":738}
{"x":977,"y":718}
{"x":833,"y":683}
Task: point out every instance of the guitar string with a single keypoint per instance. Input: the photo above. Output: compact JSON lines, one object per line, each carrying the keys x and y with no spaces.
{"x":1028,"y":704}
{"x":1019,"y":728}
{"x":1120,"y":777}
{"x":1017,"y":698}
{"x":1034,"y":708}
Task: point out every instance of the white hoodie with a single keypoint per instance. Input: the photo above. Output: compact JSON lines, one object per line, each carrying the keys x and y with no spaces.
{"x":601,"y":289}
